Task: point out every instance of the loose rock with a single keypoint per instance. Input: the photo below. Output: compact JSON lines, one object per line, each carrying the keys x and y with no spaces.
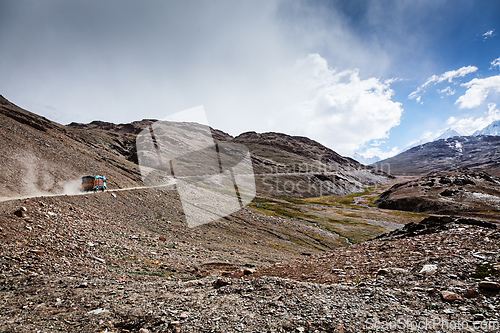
{"x":428,"y":270}
{"x":450,"y":296}
{"x":471,"y":293}
{"x":494,"y":286}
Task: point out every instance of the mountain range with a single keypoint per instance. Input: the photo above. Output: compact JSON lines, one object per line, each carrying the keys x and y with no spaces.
{"x":42,"y":156}
{"x":492,"y":129}
{"x":480,"y":151}
{"x":449,"y":133}
{"x":475,"y":152}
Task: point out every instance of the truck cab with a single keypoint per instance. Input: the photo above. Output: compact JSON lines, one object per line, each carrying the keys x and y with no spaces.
{"x":94,"y":183}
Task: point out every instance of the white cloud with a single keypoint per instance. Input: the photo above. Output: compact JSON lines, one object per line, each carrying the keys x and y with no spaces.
{"x":448,"y":91}
{"x":470,"y":124}
{"x":451,"y":120}
{"x":377,"y":152}
{"x":136,"y":61}
{"x":450,"y":75}
{"x":377,"y":143}
{"x":447,"y":76}
{"x":489,"y":33}
{"x":415,"y":94}
{"x":477,"y":91}
{"x":425,"y":137}
{"x":495,"y":63}
{"x":339,"y":109}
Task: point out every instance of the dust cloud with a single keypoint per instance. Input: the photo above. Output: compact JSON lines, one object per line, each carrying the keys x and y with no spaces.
{"x":31,"y":176}
{"x":73,"y":187}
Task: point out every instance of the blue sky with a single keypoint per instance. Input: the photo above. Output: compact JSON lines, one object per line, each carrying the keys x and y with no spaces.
{"x":366,"y":77}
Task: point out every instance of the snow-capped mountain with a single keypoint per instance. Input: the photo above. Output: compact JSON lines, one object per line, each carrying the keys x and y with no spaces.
{"x":366,"y":160}
{"x":491,"y":129}
{"x":475,"y":152}
{"x":450,"y":150}
{"x":449,"y":133}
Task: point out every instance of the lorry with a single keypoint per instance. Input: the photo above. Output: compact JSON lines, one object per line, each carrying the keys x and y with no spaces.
{"x":94,"y":183}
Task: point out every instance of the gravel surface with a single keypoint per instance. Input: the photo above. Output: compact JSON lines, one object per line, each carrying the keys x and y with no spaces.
{"x":67,"y":267}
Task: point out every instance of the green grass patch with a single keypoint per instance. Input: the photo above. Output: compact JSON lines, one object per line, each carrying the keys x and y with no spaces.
{"x":348,"y":200}
{"x":432,"y":306}
{"x":407,"y":214}
{"x":299,"y":210}
{"x":477,"y":311}
{"x":355,"y":232}
{"x":485,"y":270}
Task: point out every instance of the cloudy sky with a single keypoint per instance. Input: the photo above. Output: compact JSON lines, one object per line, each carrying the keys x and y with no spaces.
{"x":371,"y":77}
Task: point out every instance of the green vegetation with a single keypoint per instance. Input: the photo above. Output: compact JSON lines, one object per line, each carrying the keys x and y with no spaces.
{"x":344,"y":224}
{"x":485,"y":270}
{"x":189,"y":278}
{"x":349,"y":199}
{"x":283,"y":208}
{"x":347,"y":217}
{"x":407,"y":214}
{"x":478,"y":311}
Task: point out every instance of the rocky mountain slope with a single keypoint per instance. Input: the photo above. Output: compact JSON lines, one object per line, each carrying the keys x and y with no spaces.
{"x":447,"y":275}
{"x":480,"y":153}
{"x":40,"y":156}
{"x":293,"y":166}
{"x":459,"y":191}
{"x":284,"y":165}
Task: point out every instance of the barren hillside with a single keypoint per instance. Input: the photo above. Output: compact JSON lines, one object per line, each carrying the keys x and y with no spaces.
{"x":40,"y":156}
{"x":459,"y":191}
{"x":285,"y":166}
{"x":98,"y":263}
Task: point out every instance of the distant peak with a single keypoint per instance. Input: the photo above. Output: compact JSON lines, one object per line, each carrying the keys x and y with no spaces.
{"x":492,"y":129}
{"x":449,"y":133}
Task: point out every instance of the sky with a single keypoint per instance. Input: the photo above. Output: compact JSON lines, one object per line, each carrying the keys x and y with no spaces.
{"x":370,"y":78}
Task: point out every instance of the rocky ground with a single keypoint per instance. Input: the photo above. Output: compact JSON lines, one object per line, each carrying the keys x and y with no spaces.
{"x":459,"y":191}
{"x":76,"y":264}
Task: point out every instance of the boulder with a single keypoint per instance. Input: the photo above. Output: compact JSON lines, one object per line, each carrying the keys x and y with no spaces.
{"x":428,"y":270}
{"x":488,"y":285}
{"x":450,"y":296}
